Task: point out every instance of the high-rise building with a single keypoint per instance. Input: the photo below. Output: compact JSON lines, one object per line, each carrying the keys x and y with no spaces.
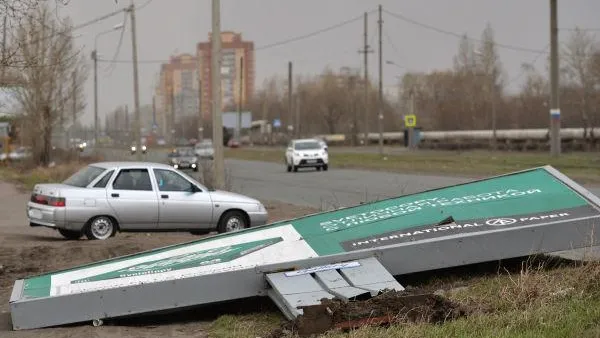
{"x":233,"y":49}
{"x":177,"y":91}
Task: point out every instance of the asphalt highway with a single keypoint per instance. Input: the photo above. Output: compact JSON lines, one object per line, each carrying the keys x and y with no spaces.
{"x":318,"y":189}
{"x":328,"y":190}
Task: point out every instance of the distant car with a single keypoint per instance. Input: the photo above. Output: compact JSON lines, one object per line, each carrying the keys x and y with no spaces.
{"x":134,"y":149}
{"x":306,"y":153}
{"x":184,"y":158}
{"x":106,"y":197}
{"x":205,"y":150}
{"x":233,"y":143}
{"x":19,"y":154}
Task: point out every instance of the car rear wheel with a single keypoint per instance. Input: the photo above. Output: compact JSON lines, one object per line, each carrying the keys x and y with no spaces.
{"x":232,"y":221}
{"x":70,"y":234}
{"x":100,"y":228}
{"x":325,"y":167}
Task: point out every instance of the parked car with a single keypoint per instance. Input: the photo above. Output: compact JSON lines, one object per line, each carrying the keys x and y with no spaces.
{"x":106,"y":197}
{"x":184,"y":158}
{"x":205,"y":150}
{"x":19,"y":154}
{"x":306,"y":153}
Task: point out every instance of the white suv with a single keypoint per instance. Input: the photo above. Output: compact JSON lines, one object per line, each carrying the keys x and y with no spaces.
{"x":306,"y":153}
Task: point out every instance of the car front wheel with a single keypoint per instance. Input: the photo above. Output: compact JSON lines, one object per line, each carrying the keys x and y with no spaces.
{"x":232,"y":221}
{"x":70,"y":234}
{"x":100,"y":228}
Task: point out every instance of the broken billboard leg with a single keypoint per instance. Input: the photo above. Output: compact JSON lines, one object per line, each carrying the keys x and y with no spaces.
{"x":529,"y":212}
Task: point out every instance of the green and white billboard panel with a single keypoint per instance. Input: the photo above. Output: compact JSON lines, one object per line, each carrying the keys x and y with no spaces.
{"x":523,"y":199}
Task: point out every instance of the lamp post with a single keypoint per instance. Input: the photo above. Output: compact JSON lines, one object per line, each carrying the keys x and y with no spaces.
{"x":95,"y":58}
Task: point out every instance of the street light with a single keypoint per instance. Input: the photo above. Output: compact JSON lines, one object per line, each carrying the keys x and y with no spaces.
{"x":95,"y":58}
{"x":492,"y":86}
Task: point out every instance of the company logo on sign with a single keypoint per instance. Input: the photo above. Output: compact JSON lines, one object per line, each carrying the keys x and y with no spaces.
{"x":500,"y":221}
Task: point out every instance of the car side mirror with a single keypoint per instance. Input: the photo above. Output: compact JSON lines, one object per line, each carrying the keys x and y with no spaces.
{"x":194,"y":188}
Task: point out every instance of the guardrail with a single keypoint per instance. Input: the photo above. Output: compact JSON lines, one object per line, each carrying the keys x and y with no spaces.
{"x":507,"y":139}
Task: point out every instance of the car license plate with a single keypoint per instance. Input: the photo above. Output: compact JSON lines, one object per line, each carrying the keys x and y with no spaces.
{"x":34,"y":213}
{"x":311,"y":161}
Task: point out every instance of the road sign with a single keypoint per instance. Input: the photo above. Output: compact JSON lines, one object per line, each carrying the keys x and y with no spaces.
{"x":410,"y":120}
{"x":276,"y":123}
{"x":485,"y":220}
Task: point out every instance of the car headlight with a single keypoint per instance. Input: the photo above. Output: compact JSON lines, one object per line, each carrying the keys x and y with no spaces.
{"x":143,"y":147}
{"x":296,"y":154}
{"x":132,"y":148}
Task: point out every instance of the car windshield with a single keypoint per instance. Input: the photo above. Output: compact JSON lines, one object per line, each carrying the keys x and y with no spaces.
{"x":186,"y":152}
{"x":310,"y":145}
{"x":84,"y":177}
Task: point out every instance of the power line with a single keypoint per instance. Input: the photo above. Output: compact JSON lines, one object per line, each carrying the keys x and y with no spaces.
{"x":305,"y":36}
{"x":580,"y":29}
{"x":460,"y":36}
{"x":112,"y":66}
{"x":267,"y":46}
{"x":532,"y":62}
{"x":389,"y":39}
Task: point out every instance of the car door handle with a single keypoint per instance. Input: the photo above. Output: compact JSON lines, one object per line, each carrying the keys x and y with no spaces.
{"x":164,"y":196}
{"x":114,"y":195}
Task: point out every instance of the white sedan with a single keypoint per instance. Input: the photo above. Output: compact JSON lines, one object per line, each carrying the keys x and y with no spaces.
{"x":107,"y":197}
{"x":306,"y":153}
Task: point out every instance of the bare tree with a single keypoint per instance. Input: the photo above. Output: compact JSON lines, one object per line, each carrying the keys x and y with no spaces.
{"x":578,"y":56}
{"x":53,"y":72}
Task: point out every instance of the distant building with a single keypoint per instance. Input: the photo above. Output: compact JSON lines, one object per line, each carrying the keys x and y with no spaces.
{"x":177,"y":92}
{"x":233,"y":48}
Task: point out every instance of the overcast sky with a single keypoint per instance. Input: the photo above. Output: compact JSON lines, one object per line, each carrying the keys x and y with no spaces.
{"x":166,"y":27}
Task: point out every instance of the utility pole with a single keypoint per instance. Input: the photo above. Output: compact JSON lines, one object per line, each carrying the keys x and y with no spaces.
{"x":127,"y":130}
{"x":95,"y":59}
{"x":153,"y":111}
{"x":297,"y":112}
{"x":380,"y":115}
{"x":136,"y":91}
{"x":366,"y":50}
{"x":172,"y":107}
{"x":4,"y":61}
{"x":290,"y":91}
{"x":240,"y":97}
{"x":74,"y":93}
{"x":200,"y":117}
{"x":555,"y":143}
{"x":218,"y":162}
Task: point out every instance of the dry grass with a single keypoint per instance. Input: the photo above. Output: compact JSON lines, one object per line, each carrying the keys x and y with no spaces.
{"x":27,"y":176}
{"x":583,"y":167}
{"x":541,"y":299}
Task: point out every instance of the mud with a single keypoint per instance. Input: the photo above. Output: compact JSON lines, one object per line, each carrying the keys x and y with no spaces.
{"x":27,"y":251}
{"x":390,"y":307}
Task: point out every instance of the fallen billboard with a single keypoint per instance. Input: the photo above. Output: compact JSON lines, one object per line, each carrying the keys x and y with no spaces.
{"x":532,"y":211}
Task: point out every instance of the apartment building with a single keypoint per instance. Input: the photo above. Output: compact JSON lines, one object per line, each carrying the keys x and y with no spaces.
{"x":237,"y":67}
{"x":177,"y":91}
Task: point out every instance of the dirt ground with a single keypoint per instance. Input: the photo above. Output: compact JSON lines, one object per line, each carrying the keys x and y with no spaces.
{"x":25,"y":251}
{"x":409,"y":306}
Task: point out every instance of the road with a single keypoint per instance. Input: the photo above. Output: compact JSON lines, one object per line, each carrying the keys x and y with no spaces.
{"x":318,"y":189}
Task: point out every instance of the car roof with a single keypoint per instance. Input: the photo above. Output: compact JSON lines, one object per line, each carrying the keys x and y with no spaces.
{"x":305,"y":140}
{"x":130,"y":164}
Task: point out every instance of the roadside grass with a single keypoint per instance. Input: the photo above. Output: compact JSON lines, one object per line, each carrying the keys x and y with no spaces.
{"x":26,"y":178}
{"x":535,"y":301}
{"x":583,"y":167}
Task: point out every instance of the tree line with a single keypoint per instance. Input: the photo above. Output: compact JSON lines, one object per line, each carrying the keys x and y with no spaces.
{"x":460,"y":98}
